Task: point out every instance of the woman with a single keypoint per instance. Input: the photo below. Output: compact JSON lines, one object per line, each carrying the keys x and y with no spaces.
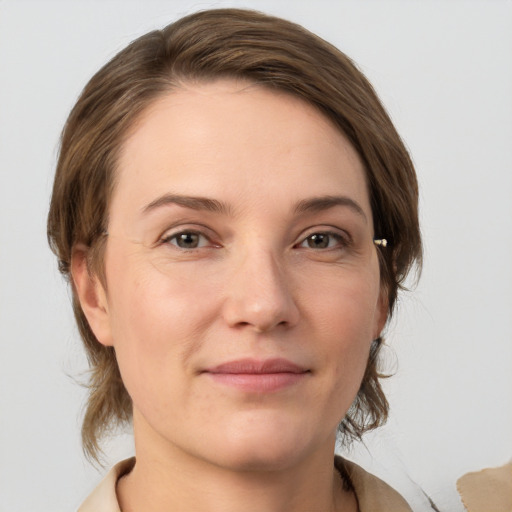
{"x":236,"y":213}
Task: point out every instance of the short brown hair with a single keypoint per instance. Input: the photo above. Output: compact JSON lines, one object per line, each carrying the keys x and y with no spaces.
{"x":204,"y":46}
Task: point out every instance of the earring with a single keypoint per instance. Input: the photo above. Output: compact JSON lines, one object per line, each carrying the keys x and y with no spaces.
{"x":381,"y":241}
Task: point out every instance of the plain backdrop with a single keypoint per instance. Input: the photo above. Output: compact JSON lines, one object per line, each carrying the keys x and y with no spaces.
{"x":444,"y":71}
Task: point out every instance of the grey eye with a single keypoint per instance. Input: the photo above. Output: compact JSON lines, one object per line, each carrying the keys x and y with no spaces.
{"x":188,"y":240}
{"x":322,"y":241}
{"x":318,"y":241}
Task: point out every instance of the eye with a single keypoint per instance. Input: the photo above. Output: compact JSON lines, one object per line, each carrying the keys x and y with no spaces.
{"x":187,"y":240}
{"x":323,"y":240}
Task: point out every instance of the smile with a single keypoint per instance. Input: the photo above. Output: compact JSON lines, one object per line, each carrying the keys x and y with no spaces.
{"x":255,"y":376}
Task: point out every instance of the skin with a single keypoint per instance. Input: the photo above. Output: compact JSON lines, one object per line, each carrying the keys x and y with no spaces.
{"x":267,"y":279}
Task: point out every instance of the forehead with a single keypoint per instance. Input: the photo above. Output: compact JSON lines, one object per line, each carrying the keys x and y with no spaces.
{"x":235,"y":140}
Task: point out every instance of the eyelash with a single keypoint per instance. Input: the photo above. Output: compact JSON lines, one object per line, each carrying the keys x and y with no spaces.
{"x":187,"y":232}
{"x":341,"y":241}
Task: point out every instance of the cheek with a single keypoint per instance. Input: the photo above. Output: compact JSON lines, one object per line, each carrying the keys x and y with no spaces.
{"x":147,"y":304}
{"x":346,"y":304}
{"x":157,"y":323}
{"x":344,"y":314}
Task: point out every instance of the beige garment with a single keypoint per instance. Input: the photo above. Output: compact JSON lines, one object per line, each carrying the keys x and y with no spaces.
{"x":489,"y":490}
{"x":104,"y":498}
{"x":373,"y":495}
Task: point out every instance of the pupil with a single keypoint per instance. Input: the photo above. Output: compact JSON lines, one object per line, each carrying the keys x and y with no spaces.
{"x":318,"y":241}
{"x":188,"y":240}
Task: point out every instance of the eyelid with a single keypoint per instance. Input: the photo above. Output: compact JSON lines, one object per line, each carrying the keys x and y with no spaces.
{"x":197,"y":229}
{"x":339,"y":233}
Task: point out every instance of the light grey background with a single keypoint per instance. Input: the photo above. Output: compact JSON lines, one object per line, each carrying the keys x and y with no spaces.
{"x":444,"y":71}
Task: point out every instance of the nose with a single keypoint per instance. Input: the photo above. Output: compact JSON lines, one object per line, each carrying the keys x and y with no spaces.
{"x":259,"y":295}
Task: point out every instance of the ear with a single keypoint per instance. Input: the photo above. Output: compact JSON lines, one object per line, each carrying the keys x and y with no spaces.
{"x":91,"y":294}
{"x":381,"y":313}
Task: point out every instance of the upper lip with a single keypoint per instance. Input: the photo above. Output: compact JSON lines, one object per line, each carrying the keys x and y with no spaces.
{"x":255,"y":366}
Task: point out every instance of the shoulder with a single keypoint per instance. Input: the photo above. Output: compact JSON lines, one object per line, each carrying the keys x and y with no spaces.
{"x":373,"y":494}
{"x":103,"y":498}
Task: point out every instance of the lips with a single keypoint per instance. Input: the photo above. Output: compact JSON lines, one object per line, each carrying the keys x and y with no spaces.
{"x":253,"y":366}
{"x":251,"y":375}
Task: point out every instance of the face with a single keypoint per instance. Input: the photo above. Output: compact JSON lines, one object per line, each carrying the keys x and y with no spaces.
{"x":242,"y":282}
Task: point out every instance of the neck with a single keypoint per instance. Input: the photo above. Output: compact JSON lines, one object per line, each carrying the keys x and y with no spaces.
{"x":171,"y":479}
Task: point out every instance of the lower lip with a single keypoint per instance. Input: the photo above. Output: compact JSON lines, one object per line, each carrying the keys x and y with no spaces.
{"x":258,"y":382}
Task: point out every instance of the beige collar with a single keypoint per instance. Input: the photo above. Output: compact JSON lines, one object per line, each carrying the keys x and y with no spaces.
{"x":104,"y":498}
{"x":373,"y":494}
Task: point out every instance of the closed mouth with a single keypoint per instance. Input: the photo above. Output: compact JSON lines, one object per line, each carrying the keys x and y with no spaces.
{"x":257,"y":376}
{"x":257,"y":367}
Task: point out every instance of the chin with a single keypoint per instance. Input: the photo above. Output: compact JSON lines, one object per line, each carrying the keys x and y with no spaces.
{"x":263,"y":447}
{"x":259,"y":459}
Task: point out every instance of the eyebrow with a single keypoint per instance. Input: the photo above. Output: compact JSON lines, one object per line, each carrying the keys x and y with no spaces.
{"x":192,"y":202}
{"x":314,"y":204}
{"x":318,"y":204}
